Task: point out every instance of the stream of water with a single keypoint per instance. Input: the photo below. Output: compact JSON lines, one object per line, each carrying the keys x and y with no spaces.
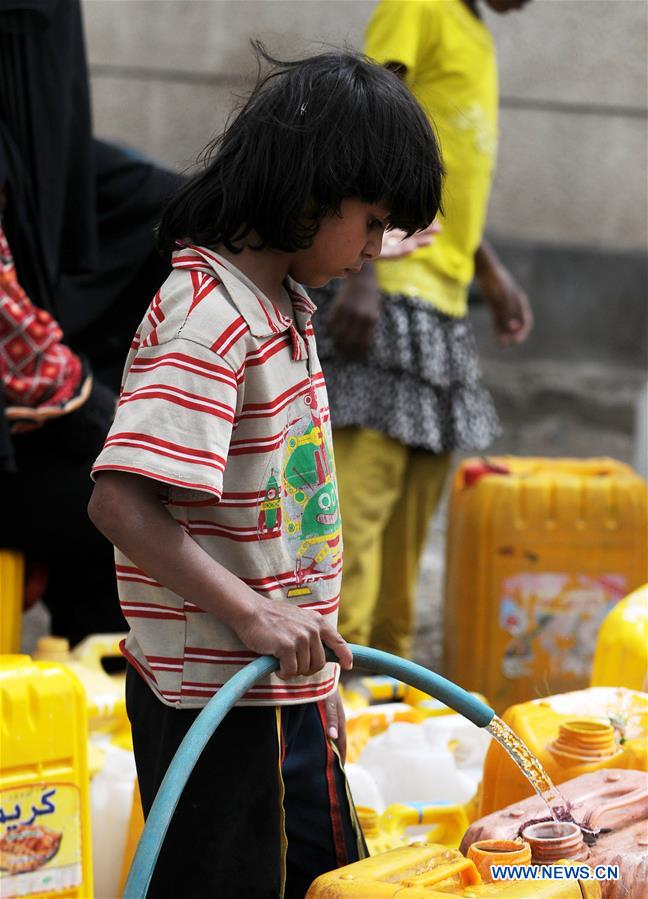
{"x":531,"y":768}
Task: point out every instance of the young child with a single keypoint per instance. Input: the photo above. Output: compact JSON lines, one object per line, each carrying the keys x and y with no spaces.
{"x":396,"y":343}
{"x":217,"y":483}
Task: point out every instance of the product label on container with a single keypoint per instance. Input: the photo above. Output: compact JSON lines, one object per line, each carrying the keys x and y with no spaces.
{"x":40,"y":839}
{"x":552,"y":620}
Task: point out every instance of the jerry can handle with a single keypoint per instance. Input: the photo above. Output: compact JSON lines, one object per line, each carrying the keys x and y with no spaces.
{"x":451,"y":818}
{"x":96,"y":647}
{"x":617,"y":801}
{"x":464,"y":867}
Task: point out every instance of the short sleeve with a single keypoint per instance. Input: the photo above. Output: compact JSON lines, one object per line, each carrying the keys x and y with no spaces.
{"x":400,"y":32}
{"x":174,"y":418}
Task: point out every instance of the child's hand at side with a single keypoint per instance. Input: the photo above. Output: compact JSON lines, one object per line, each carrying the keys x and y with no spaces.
{"x":510,"y":308}
{"x":295,"y":636}
{"x":354,"y":313}
{"x":336,"y":723}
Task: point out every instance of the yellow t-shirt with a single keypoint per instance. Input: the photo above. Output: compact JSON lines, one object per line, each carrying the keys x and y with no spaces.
{"x":452,"y":71}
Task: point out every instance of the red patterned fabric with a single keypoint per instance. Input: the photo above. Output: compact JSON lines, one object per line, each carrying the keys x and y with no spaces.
{"x":41,"y":377}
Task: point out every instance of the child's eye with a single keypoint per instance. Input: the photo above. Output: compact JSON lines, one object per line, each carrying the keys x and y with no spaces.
{"x":376,"y":223}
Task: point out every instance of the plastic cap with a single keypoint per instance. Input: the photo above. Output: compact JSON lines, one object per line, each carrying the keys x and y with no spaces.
{"x":52,"y":649}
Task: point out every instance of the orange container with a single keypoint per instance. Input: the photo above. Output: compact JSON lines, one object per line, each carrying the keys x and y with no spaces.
{"x":612,"y":803}
{"x":485,"y":853}
{"x":571,"y":734}
{"x":539,"y":551}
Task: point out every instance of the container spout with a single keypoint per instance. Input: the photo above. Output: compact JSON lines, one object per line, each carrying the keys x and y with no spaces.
{"x":551,"y":841}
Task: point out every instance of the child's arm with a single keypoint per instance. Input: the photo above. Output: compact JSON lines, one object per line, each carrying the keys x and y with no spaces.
{"x":128,"y":511}
{"x":354,"y":314}
{"x":509,"y":304}
{"x":355,"y":311}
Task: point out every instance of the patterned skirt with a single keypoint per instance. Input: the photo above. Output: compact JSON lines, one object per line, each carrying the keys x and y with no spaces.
{"x":420,"y":382}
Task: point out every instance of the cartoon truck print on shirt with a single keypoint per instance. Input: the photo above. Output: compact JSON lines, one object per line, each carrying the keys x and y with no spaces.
{"x":303,"y":505}
{"x":310,"y":493}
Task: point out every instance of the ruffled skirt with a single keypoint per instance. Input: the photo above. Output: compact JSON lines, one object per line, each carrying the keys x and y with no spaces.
{"x":420,"y":382}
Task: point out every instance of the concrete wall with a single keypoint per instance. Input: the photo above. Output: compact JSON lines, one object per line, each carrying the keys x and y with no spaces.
{"x":569,"y":205}
{"x":573,"y":151}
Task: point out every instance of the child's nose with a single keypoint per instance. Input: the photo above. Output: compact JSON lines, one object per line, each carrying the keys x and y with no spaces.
{"x":372,"y":248}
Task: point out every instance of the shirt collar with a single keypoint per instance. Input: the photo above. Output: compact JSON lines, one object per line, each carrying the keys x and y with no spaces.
{"x":261,"y":315}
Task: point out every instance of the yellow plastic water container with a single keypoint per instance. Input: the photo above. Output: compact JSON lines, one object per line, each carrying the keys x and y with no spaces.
{"x":424,"y":871}
{"x":12,"y":576}
{"x":621,"y":657}
{"x":362,"y":691}
{"x":538,"y":552}
{"x":111,"y":761}
{"x":105,"y":697}
{"x":571,"y":734}
{"x":45,"y":847}
{"x":444,"y":824}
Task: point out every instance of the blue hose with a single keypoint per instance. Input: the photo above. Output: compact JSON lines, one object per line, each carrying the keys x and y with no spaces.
{"x":198,"y":735}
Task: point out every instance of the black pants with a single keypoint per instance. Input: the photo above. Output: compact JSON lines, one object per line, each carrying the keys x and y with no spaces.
{"x":264,"y":778}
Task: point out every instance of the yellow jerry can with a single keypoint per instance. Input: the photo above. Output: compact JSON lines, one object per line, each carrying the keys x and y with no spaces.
{"x":538,"y":552}
{"x":571,"y":734}
{"x":424,"y":871}
{"x":45,"y":843}
{"x":443,"y":824}
{"x":12,"y":576}
{"x":363,"y":691}
{"x":621,"y":657}
{"x":105,"y":694}
{"x":448,"y":822}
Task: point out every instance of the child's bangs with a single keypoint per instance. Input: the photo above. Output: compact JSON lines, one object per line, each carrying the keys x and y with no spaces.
{"x":405,"y":177}
{"x":382,"y":149}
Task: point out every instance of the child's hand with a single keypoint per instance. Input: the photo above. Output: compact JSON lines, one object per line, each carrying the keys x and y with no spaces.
{"x":336,"y":723}
{"x":354,"y":313}
{"x":294,"y":636}
{"x":397,"y":244}
{"x":510,"y":308}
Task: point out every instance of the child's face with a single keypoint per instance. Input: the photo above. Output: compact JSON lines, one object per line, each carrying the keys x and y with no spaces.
{"x":343,"y":242}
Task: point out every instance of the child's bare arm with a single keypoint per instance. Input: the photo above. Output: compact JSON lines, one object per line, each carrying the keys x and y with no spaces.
{"x":127,"y":510}
{"x":510,"y":307}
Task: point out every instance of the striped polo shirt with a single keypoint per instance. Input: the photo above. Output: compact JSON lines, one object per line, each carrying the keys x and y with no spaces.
{"x":223,"y":402}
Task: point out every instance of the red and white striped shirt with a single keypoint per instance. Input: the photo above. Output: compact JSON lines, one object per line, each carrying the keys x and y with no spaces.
{"x":223,"y":401}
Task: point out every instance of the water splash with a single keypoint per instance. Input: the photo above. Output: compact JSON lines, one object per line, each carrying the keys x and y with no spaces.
{"x":531,"y":768}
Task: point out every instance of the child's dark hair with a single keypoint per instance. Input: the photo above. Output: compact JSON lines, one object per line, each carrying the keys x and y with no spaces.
{"x":312,"y":133}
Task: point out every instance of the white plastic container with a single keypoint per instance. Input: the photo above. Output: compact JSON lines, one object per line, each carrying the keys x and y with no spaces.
{"x":407,"y":767}
{"x":364,"y":789}
{"x":467,"y":742}
{"x":111,"y":797}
